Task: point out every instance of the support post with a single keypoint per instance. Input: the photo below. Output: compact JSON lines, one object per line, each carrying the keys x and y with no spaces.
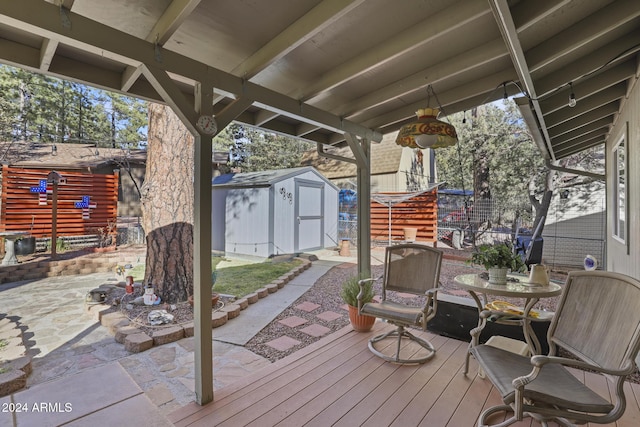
{"x":361,"y":152}
{"x":203,"y":338}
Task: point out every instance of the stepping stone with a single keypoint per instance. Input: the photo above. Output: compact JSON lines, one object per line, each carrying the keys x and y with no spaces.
{"x":307,"y":306}
{"x":329,"y":316}
{"x":315,"y":330}
{"x":283,"y":343}
{"x":293,"y":321}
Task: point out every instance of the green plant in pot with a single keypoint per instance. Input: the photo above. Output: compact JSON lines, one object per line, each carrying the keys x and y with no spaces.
{"x":352,"y":288}
{"x":498,"y":259}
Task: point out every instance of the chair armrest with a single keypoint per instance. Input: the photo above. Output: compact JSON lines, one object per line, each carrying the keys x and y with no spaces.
{"x":431,"y":292}
{"x":541,"y":360}
{"x":361,"y":284}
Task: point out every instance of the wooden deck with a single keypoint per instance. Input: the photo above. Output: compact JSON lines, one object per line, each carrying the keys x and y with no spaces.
{"x":338,"y":382}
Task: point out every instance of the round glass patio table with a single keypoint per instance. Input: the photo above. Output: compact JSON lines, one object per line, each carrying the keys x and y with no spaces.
{"x":517,"y":287}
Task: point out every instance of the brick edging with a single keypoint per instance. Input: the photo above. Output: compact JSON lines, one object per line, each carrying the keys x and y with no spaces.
{"x":136,"y":341}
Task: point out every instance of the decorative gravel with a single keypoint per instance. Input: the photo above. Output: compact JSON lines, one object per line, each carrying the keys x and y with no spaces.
{"x":326,"y":293}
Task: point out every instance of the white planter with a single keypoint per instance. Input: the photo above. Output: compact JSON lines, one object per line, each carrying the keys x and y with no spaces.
{"x":498,"y":276}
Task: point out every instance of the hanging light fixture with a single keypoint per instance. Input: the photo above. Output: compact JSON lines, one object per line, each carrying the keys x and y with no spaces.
{"x":427,"y":131}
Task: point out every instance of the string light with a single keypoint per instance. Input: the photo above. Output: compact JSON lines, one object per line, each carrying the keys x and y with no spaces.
{"x":572,"y":97}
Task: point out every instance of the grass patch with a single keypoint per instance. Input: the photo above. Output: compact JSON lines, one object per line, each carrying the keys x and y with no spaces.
{"x":3,"y":344}
{"x":238,"y":280}
{"x":245,"y":279}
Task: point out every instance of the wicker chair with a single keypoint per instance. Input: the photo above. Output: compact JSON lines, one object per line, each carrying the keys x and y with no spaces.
{"x":413,"y":269}
{"x":598,"y":323}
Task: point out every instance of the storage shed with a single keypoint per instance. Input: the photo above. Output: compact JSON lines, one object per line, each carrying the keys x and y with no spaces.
{"x":274,"y":212}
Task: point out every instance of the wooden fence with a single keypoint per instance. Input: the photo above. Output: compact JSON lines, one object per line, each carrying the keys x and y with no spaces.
{"x":418,"y":210}
{"x":87,"y":203}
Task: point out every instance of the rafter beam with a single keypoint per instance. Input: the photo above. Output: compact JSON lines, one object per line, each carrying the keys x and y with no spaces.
{"x":307,"y":26}
{"x":591,"y":63}
{"x":231,"y":111}
{"x":585,"y":105}
{"x":591,"y":116}
{"x":596,"y":83}
{"x":171,"y":95}
{"x":482,"y":89}
{"x":440,"y":26}
{"x":477,"y":57}
{"x":601,"y":22}
{"x":173,"y":16}
{"x":67,"y":4}
{"x":38,"y":18}
{"x":47,"y":51}
{"x":502,"y":14}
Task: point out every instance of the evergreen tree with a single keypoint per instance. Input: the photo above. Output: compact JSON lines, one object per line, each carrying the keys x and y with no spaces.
{"x":255,"y":150}
{"x":39,"y":108}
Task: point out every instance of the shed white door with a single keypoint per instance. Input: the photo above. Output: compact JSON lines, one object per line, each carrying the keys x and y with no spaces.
{"x":309,"y":227}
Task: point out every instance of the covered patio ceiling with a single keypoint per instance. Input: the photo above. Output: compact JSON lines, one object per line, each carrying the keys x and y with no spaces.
{"x":317,"y":69}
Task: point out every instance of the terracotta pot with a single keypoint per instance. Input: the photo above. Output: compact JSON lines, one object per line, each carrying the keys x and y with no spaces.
{"x":214,"y":299}
{"x":360,"y":322}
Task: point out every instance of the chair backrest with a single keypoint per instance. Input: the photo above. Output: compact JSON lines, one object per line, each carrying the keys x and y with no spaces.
{"x":598,"y":319}
{"x":411,"y":268}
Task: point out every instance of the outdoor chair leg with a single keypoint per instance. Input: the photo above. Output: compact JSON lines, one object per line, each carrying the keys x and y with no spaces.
{"x":401,"y":332}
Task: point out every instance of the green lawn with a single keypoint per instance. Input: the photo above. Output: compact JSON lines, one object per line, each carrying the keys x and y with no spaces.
{"x":245,"y":279}
{"x":238,"y":280}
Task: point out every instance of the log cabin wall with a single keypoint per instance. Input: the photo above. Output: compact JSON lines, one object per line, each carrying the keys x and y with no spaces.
{"x":22,"y":210}
{"x":420,"y":211}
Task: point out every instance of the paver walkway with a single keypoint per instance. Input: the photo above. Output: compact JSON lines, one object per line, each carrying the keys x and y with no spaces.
{"x":68,"y":345}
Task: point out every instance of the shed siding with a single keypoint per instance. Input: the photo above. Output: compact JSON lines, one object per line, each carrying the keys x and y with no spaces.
{"x":247,"y":222}
{"x":260,"y":217}
{"x":284,"y":216}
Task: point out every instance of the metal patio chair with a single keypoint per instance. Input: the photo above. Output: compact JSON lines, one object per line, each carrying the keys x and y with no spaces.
{"x":414,"y":269}
{"x":598,"y":322}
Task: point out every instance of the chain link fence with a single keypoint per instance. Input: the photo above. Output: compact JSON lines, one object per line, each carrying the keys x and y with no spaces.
{"x":574,"y":228}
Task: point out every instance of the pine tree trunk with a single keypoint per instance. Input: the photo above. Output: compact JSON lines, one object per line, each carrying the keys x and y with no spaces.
{"x":167,"y":205}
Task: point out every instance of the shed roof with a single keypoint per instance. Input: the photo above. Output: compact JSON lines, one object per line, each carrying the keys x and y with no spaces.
{"x":65,"y":156}
{"x":385,"y":158}
{"x":262,"y":178}
{"x":75,"y":156}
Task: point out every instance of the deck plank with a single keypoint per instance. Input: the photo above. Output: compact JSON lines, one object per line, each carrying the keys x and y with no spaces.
{"x":447,"y":404}
{"x":329,"y":385}
{"x":431,"y":391}
{"x":386,"y":413}
{"x":338,"y":381}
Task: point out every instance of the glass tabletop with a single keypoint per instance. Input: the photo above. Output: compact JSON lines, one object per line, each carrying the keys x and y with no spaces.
{"x":517,"y":286}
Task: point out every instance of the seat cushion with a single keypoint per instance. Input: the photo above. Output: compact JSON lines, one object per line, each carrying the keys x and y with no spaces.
{"x":394,"y":312}
{"x":554,"y":385}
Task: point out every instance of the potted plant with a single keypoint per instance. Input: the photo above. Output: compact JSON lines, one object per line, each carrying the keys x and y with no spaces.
{"x":498,"y":259}
{"x":351,"y":288}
